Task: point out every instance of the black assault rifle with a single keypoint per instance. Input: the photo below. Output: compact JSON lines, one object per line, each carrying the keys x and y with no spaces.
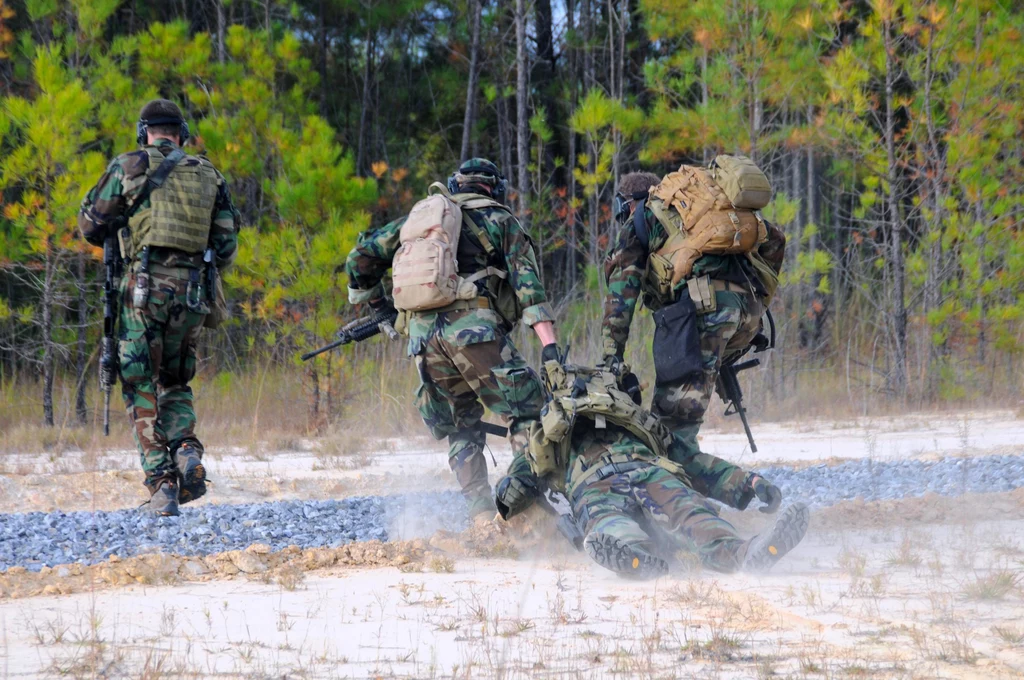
{"x":728,"y":386}
{"x":359,"y":330}
{"x":108,"y":349}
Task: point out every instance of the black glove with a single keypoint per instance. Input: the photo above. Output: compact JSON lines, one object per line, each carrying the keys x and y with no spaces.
{"x":381,"y":304}
{"x":631,"y":385}
{"x":767,"y":493}
{"x":515,"y":494}
{"x":551,"y":353}
{"x":612,"y":363}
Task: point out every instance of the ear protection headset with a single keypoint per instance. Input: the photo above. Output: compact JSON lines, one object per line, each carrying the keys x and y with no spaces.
{"x":620,"y":205}
{"x":142,"y":127}
{"x":498,"y":192}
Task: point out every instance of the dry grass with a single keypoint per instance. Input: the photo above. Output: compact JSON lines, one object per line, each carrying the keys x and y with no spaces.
{"x":993,"y":586}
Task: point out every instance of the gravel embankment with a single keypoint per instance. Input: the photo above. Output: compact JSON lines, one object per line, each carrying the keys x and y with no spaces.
{"x":36,"y":539}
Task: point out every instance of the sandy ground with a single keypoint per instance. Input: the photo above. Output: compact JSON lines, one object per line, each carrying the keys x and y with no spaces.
{"x":109,"y":480}
{"x":907,"y":589}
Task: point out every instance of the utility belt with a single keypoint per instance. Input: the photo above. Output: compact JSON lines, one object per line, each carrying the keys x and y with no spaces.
{"x":614,"y":464}
{"x":459,"y":305}
{"x":200,"y":293}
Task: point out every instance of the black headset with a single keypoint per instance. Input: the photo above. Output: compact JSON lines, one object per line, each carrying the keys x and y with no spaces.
{"x":498,"y":192}
{"x":142,"y":127}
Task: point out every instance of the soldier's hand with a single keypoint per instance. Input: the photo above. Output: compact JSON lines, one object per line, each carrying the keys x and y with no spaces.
{"x":514,"y":494}
{"x":612,"y":363}
{"x":767,"y":493}
{"x":550,"y":353}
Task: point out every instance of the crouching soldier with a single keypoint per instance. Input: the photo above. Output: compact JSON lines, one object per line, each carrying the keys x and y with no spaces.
{"x":464,"y":273}
{"x":173,"y":217}
{"x":634,"y":505}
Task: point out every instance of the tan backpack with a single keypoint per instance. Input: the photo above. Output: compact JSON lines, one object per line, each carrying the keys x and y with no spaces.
{"x":701,"y":217}
{"x":425,"y":270}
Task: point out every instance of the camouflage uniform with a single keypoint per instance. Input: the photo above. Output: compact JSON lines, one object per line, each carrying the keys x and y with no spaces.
{"x":466,"y":357}
{"x":724,"y":331}
{"x":157,"y":343}
{"x":649,"y":509}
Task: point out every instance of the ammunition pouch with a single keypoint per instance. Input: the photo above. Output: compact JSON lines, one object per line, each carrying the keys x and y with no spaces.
{"x":676,"y":348}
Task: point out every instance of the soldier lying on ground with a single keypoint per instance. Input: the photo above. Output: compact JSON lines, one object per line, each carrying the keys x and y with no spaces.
{"x":635,"y":506}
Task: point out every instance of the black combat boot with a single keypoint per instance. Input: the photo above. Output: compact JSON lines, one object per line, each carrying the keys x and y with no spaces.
{"x":191,"y":473}
{"x":622,"y":558}
{"x":764,"y":550}
{"x":164,"y":501}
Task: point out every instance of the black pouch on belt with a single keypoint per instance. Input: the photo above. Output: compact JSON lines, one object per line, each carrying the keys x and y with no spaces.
{"x":676,"y":342}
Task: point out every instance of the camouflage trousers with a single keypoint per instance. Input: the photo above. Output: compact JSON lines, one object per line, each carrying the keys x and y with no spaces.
{"x":651,"y":510}
{"x":157,"y":352}
{"x":456,"y":381}
{"x":727,"y":329}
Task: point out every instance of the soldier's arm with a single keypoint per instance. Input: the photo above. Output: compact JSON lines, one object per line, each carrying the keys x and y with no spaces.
{"x":102,"y":205}
{"x":370,"y":260}
{"x":624,"y":270}
{"x":224,"y":230}
{"x":525,"y":276}
{"x":716,"y":478}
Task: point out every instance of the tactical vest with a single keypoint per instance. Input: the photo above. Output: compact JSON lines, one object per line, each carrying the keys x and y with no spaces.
{"x":594,"y":394}
{"x":180,"y":212}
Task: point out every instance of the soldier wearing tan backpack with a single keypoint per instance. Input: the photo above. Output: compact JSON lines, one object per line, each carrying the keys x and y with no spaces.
{"x":464,"y":273}
{"x":695,"y":248}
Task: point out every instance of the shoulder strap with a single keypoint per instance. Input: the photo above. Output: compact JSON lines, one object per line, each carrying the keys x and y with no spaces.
{"x":478,"y":232}
{"x":156,"y":179}
{"x":640,"y":224}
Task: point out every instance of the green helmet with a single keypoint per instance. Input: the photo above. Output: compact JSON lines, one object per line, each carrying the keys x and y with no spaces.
{"x":482,"y":172}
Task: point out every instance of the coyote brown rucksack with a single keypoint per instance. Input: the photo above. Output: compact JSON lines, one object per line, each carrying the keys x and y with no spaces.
{"x":696,"y":207}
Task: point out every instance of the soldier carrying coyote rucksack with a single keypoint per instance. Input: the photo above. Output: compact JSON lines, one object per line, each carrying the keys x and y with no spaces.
{"x":695,"y":247}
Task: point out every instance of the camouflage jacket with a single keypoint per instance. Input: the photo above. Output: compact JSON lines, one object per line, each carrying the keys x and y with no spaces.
{"x":624,"y":271}
{"x":708,"y":475}
{"x":370,"y":260}
{"x":125,"y":176}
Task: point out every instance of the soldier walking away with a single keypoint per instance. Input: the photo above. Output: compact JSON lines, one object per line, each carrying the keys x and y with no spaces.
{"x":464,"y":274}
{"x":708,"y":296}
{"x":175,"y":225}
{"x":635,"y":504}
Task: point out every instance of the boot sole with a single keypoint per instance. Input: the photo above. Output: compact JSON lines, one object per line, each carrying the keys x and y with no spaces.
{"x":193,"y":484}
{"x":784,"y":536}
{"x":613,"y":554}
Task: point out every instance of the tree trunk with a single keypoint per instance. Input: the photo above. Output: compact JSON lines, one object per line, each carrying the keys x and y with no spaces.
{"x":219,"y":5}
{"x":522,"y":114}
{"x":543,"y":81}
{"x":571,"y":261}
{"x":361,"y":166}
{"x":49,"y":281}
{"x":474,"y":51}
{"x":897,"y":312}
{"x":80,"y":348}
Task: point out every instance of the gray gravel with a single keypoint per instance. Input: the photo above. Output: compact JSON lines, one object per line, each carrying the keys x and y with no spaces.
{"x":36,"y":539}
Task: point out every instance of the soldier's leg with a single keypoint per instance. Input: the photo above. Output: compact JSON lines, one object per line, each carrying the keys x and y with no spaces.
{"x":688,"y":520}
{"x":176,"y":411}
{"x":607,"y":512}
{"x":449,"y":408}
{"x":682,"y":404}
{"x":505,"y":383}
{"x":140,"y":352}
